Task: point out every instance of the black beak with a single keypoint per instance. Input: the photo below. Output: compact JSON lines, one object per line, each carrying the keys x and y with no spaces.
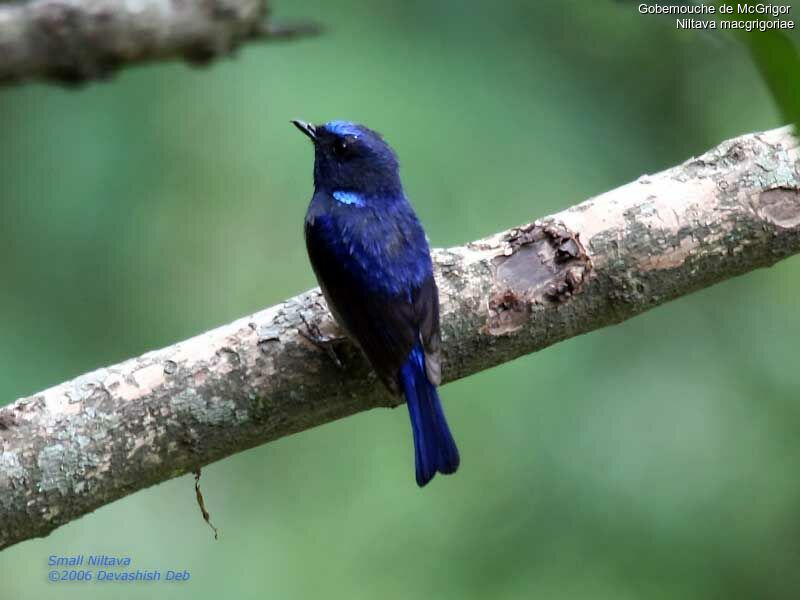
{"x":306,"y":128}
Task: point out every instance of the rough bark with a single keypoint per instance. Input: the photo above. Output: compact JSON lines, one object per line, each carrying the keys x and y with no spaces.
{"x":106,"y":434}
{"x":72,"y":41}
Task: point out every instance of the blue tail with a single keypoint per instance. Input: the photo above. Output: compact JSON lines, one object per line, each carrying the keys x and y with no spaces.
{"x":434,"y":448}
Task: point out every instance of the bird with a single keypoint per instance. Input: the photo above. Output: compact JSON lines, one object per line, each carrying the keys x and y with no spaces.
{"x":371,"y":258}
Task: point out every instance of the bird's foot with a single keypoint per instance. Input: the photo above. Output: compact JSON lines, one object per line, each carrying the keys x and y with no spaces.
{"x":325,"y":343}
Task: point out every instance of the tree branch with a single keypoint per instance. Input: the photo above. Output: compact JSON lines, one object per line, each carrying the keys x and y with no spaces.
{"x":73,"y":41}
{"x":106,"y":434}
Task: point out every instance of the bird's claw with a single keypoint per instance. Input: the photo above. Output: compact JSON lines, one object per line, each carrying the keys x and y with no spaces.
{"x":321,"y":341}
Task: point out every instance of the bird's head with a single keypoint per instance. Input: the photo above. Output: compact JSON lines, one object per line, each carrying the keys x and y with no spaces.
{"x":352,"y":158}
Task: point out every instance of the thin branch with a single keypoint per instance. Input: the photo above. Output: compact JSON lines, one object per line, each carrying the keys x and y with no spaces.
{"x":87,"y":442}
{"x":73,"y":41}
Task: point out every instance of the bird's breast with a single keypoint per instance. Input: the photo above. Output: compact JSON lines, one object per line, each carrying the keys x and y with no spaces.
{"x":382,"y":249}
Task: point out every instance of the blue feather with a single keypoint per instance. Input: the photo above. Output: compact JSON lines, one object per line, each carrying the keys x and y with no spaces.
{"x":434,"y":447}
{"x":391,"y":269}
{"x":343,"y":128}
{"x":351,"y":198}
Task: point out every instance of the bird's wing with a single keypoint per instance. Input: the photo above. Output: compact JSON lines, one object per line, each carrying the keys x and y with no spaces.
{"x":386,"y":327}
{"x":426,"y":311}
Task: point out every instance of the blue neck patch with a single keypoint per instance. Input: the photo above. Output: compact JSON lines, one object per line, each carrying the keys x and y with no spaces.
{"x":349,"y":198}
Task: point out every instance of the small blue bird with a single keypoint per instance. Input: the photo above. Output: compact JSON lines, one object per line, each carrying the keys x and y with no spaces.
{"x":371,"y":258}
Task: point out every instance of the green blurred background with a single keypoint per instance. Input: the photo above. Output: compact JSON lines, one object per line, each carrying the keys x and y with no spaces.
{"x":655,"y":459}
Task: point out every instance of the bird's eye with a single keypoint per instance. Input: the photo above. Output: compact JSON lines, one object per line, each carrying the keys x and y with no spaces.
{"x":340,"y":148}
